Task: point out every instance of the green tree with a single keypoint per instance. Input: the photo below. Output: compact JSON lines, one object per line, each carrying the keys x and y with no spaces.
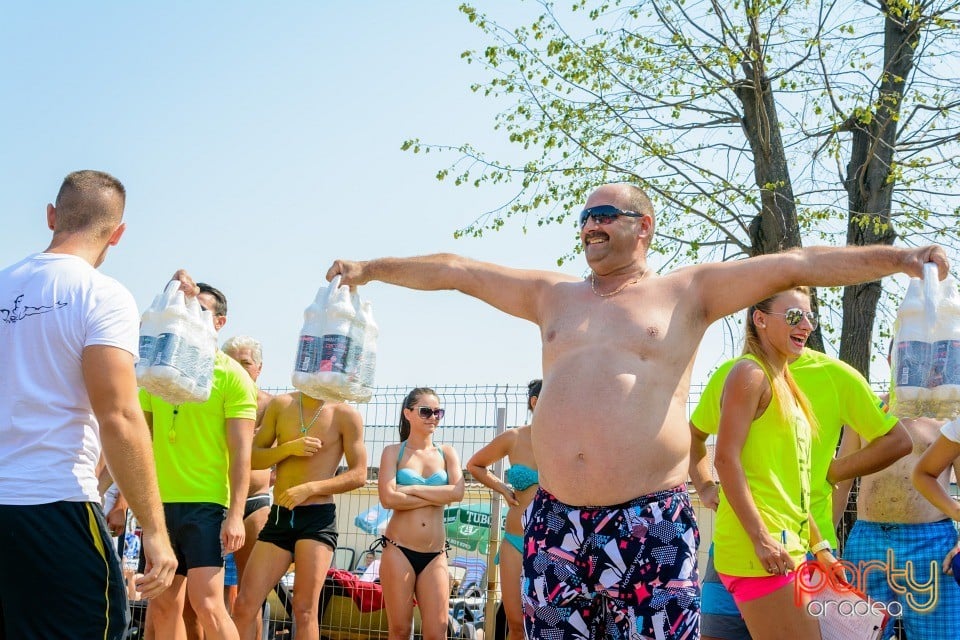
{"x":755,"y":125}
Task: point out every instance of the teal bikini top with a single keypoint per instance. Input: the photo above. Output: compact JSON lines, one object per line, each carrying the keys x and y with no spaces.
{"x":521,"y":477}
{"x":408,"y":477}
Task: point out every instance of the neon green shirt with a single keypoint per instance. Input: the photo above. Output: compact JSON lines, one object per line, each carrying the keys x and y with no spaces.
{"x":776,"y":464}
{"x":190,"y":447}
{"x":839,"y":395}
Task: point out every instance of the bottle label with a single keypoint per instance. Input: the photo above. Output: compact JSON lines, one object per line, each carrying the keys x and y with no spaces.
{"x":913,"y":363}
{"x":167,"y":345}
{"x":174,"y":351}
{"x":308,"y":354}
{"x":946,"y":363}
{"x":148,"y":348}
{"x":333,"y":353}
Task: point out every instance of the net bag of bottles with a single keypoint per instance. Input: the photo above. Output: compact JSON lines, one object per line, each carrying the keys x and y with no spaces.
{"x":337,"y":350}
{"x":925,"y":360}
{"x":178,"y":344}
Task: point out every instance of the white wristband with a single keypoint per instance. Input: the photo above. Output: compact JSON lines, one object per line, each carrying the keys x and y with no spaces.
{"x":823,"y":545}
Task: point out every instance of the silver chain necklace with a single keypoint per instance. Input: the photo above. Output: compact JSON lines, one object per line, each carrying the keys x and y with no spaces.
{"x":304,"y":428}
{"x":593,"y":284}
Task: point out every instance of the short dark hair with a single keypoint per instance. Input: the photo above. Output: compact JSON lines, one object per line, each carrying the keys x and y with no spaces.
{"x":221,"y":308}
{"x":81,"y":206}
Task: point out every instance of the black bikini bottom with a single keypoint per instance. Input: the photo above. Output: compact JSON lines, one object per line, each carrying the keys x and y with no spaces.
{"x":417,"y":559}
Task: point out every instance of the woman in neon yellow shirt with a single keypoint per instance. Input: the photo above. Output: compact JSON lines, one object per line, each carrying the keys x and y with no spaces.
{"x":763,"y":527}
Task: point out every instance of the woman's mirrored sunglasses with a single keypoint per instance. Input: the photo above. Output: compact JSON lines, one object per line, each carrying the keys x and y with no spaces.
{"x":794,"y":316}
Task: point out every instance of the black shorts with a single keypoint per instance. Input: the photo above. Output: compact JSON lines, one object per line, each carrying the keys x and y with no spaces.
{"x":60,"y":575}
{"x":194,"y":529}
{"x":255,"y":503}
{"x":311,"y":522}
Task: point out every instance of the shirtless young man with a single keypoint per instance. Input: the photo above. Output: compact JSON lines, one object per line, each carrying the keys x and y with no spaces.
{"x":311,"y":437}
{"x":610,"y":428}
{"x":896,"y":523}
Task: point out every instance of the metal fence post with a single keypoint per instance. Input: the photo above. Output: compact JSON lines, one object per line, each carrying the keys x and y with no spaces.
{"x":493,"y":576}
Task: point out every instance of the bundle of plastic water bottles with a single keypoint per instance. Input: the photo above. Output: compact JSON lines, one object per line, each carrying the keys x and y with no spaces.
{"x":337,"y":352}
{"x":178,"y":344}
{"x":925,"y":361}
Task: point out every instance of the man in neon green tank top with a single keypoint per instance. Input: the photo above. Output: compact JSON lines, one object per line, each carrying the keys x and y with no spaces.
{"x":202,"y":451}
{"x":839,"y":395}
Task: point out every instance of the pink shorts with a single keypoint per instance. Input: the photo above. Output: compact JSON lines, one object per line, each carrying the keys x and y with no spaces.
{"x":744,"y":589}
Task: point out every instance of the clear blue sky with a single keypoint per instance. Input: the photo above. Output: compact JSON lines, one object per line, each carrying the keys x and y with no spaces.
{"x":258,"y":142}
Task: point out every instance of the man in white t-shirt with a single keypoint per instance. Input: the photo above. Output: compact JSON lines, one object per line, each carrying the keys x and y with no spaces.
{"x":68,"y":342}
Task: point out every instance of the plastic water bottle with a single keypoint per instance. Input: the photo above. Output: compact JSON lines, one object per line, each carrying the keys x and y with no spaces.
{"x":194,"y":336}
{"x":206,"y":356}
{"x":367,"y":361}
{"x":911,"y":357}
{"x":337,"y":338}
{"x":182,"y":366}
{"x":307,"y":363}
{"x":338,"y":322}
{"x":173,"y":320}
{"x":944,"y":380}
{"x":149,"y":329}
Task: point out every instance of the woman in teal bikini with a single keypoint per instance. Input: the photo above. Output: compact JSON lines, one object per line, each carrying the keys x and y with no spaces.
{"x":521,"y":484}
{"x":417,"y":480}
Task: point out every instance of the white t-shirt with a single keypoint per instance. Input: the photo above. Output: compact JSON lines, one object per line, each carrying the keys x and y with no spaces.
{"x":52,"y":306}
{"x":951,"y":430}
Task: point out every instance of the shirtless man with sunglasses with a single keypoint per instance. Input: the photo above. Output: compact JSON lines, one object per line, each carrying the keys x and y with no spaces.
{"x":624,"y":339}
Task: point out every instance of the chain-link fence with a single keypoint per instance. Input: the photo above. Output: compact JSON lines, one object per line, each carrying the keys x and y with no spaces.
{"x":474,"y":415}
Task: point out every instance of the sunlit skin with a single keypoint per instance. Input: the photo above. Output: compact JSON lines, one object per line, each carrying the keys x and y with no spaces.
{"x":631,"y":353}
{"x":624,"y":338}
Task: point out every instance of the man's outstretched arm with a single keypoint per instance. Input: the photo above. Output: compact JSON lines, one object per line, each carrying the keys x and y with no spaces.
{"x":112,"y":389}
{"x":514,"y":291}
{"x":727,"y":287}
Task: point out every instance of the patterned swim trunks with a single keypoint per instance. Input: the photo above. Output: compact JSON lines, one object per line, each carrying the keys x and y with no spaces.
{"x":626,"y":571}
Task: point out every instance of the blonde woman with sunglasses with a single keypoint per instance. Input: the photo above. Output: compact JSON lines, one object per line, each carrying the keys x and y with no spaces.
{"x":763,"y":528}
{"x":417,"y":480}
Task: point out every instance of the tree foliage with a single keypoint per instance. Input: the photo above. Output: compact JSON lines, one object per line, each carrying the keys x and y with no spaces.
{"x":754,"y":125}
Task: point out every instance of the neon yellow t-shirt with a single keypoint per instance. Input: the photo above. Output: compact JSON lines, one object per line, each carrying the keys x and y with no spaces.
{"x":839,"y":395}
{"x":776,"y":464}
{"x":190,"y":446}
